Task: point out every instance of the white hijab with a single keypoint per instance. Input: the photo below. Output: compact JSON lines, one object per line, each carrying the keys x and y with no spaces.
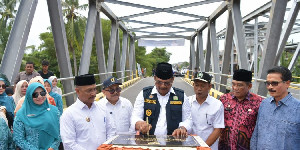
{"x":18,"y":94}
{"x":55,"y":89}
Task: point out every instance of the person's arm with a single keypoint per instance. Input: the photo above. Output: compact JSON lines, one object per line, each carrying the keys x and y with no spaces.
{"x":67,"y":132}
{"x":60,"y":104}
{"x":137,"y":114}
{"x":19,"y":135}
{"x":6,"y":141}
{"x":213,"y":136}
{"x":218,"y":124}
{"x":186,"y":115}
{"x":253,"y":140}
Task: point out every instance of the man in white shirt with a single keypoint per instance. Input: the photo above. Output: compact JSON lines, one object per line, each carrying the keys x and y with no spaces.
{"x":207,"y":112}
{"x":166,"y":108}
{"x":118,"y":109}
{"x":84,"y":125}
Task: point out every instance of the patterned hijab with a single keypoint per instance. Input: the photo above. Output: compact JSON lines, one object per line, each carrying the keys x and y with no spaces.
{"x":18,"y":94}
{"x":42,"y":117}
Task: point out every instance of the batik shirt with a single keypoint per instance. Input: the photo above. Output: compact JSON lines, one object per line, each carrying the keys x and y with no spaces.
{"x":28,"y":138}
{"x":240,"y":120}
{"x":6,"y":140}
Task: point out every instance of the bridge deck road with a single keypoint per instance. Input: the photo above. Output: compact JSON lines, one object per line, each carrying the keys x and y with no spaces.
{"x":132,"y":91}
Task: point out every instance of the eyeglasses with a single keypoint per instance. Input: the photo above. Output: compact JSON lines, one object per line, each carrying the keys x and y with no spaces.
{"x":112,"y":91}
{"x":165,"y":83}
{"x":273,"y":83}
{"x":36,"y":94}
{"x":3,"y":86}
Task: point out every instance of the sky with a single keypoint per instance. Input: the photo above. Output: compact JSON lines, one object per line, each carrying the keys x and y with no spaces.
{"x":41,"y":22}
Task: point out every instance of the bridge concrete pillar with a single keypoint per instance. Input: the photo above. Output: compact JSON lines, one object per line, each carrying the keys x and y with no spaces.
{"x":239,"y":35}
{"x":131,"y":48}
{"x":61,"y":47}
{"x":274,"y":28}
{"x":112,"y":46}
{"x":192,"y":56}
{"x":15,"y":47}
{"x":133,"y":60}
{"x":100,"y":49}
{"x":200,"y":51}
{"x":227,"y":52}
{"x":215,"y":52}
{"x":124,"y":53}
{"x":287,"y":29}
{"x":208,"y":51}
{"x":88,"y":39}
{"x":118,"y":56}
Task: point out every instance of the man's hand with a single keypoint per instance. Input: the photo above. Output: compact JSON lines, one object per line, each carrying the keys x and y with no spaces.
{"x":181,"y":131}
{"x":142,"y":126}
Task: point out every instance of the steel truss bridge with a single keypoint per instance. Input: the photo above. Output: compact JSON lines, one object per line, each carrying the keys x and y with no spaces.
{"x":245,"y":38}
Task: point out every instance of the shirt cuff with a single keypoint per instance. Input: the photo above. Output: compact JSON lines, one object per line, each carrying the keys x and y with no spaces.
{"x":219,"y":126}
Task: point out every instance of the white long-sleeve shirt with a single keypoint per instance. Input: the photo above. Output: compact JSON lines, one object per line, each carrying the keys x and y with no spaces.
{"x":119,"y":114}
{"x":161,"y":126}
{"x":82,"y":128}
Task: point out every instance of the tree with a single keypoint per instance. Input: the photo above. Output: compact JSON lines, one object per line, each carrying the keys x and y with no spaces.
{"x":75,"y":24}
{"x":150,"y":60}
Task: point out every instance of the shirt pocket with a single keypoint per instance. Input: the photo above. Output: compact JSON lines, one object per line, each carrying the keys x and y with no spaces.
{"x":176,"y":112}
{"x":209,"y":119}
{"x":292,"y":128}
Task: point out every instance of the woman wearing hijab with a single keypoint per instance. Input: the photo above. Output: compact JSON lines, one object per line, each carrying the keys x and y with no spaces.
{"x":38,"y":79}
{"x":6,"y":140}
{"x":7,"y":101}
{"x":20,"y":90}
{"x":36,"y":125}
{"x":55,"y":89}
{"x":57,"y":97}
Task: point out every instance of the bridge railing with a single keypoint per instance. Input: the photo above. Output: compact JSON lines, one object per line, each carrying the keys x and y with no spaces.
{"x":293,"y":85}
{"x":122,"y":79}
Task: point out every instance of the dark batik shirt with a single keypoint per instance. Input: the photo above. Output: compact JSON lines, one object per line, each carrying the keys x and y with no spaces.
{"x":240,"y":120}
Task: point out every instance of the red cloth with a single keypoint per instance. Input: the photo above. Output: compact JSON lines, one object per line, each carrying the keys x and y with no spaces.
{"x":240,"y":119}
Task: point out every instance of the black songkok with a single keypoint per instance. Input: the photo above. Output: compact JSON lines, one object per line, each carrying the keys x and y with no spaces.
{"x":164,"y":71}
{"x":86,"y":79}
{"x":242,"y":75}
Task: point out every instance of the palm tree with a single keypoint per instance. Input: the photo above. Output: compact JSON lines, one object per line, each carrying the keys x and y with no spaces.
{"x":74,"y":25}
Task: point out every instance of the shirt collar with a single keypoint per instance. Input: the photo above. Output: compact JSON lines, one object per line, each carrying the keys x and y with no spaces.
{"x":81,"y":105}
{"x":282,"y":101}
{"x":208,"y":99}
{"x":154,"y":91}
{"x":246,"y":98}
{"x":108,"y":103}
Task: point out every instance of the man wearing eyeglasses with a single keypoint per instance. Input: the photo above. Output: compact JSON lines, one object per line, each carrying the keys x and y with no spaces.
{"x":207,"y":112}
{"x":278,"y":122}
{"x":165,"y":107}
{"x":84,"y":125}
{"x":118,"y":109}
{"x":240,"y":112}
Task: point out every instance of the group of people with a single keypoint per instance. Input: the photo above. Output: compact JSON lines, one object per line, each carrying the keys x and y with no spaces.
{"x":30,"y":117}
{"x":238,"y":120}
